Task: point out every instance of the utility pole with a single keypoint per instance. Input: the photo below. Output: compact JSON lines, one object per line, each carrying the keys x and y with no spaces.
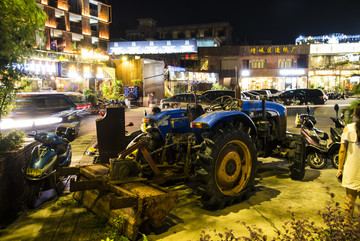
{"x":237,"y":86}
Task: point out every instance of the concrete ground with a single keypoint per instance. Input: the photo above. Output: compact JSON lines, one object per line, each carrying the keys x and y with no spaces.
{"x":267,"y":208}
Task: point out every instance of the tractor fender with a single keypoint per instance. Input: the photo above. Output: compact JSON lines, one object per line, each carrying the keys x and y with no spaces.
{"x":249,"y":106}
{"x":209,"y":120}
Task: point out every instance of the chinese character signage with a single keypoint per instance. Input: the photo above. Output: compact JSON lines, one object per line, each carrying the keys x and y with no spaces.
{"x":152,"y":47}
{"x":287,"y":49}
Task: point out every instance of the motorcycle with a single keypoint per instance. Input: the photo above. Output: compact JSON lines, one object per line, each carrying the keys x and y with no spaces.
{"x":335,"y":133}
{"x":40,"y":171}
{"x":317,"y":149}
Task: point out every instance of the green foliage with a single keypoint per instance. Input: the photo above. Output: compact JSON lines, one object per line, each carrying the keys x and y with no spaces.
{"x":356,"y":89}
{"x":349,"y":111}
{"x":298,"y":229}
{"x":20,"y":21}
{"x":112,"y":90}
{"x":90,"y":97}
{"x":115,"y":232}
{"x":137,"y":82}
{"x":217,"y":86}
{"x":11,"y":140}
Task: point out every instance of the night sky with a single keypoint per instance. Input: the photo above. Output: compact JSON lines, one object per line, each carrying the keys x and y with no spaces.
{"x":279,"y":21}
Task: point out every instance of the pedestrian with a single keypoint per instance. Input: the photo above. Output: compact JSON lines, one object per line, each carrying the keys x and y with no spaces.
{"x":349,"y":164}
{"x":152,"y":100}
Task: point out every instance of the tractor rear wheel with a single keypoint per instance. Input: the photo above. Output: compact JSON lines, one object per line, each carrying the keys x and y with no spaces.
{"x":229,"y":161}
{"x":296,"y":157}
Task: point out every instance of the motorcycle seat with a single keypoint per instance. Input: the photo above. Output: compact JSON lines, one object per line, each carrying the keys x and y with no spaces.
{"x":322,"y":135}
{"x":61,"y":148}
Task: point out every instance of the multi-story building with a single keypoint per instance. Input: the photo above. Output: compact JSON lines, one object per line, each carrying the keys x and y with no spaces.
{"x":74,"y":43}
{"x":205,"y":35}
{"x":74,"y":24}
{"x":214,"y":34}
{"x":334,"y":66}
{"x":259,"y":67}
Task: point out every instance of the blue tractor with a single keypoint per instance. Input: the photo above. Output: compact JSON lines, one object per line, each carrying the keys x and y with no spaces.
{"x":215,"y":149}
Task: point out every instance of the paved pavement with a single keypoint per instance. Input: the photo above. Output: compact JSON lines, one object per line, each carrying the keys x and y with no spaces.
{"x":64,"y":219}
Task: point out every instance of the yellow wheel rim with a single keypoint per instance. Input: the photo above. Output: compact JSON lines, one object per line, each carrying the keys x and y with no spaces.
{"x":233,"y":168}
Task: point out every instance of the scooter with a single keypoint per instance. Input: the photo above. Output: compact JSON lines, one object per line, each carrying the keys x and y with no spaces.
{"x":335,"y":133}
{"x":41,"y":168}
{"x":317,"y":150}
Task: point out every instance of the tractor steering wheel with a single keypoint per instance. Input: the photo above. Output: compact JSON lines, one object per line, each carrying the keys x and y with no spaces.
{"x":226,"y":102}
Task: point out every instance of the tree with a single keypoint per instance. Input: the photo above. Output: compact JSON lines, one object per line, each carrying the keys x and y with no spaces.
{"x":21,"y":21}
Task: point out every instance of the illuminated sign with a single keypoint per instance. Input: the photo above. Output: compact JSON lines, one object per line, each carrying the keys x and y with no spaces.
{"x":291,"y":72}
{"x":272,"y":49}
{"x":41,"y":67}
{"x":152,"y":47}
{"x":201,"y":77}
{"x":176,"y":68}
{"x":334,"y":48}
{"x":327,"y":72}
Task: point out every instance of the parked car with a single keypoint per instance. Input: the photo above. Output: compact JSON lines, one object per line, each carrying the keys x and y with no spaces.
{"x":272,"y":91}
{"x":300,"y":97}
{"x":210,"y":95}
{"x":40,"y":111}
{"x":251,"y":95}
{"x":265,"y":93}
{"x":178,"y":101}
{"x":79,"y":100}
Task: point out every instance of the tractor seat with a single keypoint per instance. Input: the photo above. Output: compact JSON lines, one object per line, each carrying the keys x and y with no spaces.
{"x":194,"y":111}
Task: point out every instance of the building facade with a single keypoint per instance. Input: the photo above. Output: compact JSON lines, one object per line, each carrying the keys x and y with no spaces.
{"x":74,"y":44}
{"x":75,"y":24}
{"x":208,"y":34}
{"x":259,"y":67}
{"x":334,"y":66}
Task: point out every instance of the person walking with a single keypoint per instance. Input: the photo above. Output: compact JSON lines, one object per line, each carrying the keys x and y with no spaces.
{"x":349,"y":164}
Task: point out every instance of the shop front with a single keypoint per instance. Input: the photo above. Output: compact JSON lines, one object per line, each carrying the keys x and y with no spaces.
{"x":75,"y":76}
{"x":295,"y":78}
{"x":64,"y":76}
{"x":280,"y":79}
{"x":181,"y":81}
{"x":331,"y":80}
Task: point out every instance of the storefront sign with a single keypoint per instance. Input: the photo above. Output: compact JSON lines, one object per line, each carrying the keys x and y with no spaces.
{"x":81,"y":70}
{"x":272,"y":49}
{"x":42,"y":67}
{"x":292,"y":72}
{"x":334,"y":48}
{"x":152,"y":47}
{"x":201,"y":77}
{"x":325,"y":72}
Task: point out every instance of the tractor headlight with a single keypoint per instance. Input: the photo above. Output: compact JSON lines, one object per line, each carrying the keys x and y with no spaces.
{"x":200,"y":125}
